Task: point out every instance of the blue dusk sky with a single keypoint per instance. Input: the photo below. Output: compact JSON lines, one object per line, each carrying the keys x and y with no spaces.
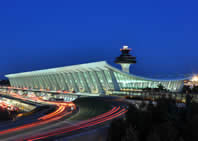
{"x":40,"y":34}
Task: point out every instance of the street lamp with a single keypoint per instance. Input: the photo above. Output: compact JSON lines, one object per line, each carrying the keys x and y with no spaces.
{"x":195,"y":78}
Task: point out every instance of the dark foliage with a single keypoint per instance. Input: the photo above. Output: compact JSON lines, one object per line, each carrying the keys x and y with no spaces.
{"x":117,"y":130}
{"x":188,"y":89}
{"x":161,"y":122}
{"x":195,"y":89}
{"x":160,"y":88}
{"x":4,"y":83}
{"x":7,"y":115}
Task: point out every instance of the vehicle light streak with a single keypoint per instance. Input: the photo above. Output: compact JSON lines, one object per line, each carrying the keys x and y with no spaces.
{"x":37,"y":123}
{"x":115,"y":109}
{"x":82,"y":125}
{"x":87,"y":121}
{"x":56,"y":115}
{"x":100,"y":116}
{"x":60,"y":109}
{"x":60,"y":112}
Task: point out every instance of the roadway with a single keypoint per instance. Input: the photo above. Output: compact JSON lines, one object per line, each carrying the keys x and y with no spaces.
{"x":91,"y":112}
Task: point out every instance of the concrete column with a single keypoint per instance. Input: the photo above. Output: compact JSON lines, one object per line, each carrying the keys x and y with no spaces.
{"x":11,"y":81}
{"x":67,"y":80}
{"x":77,"y":78}
{"x":99,"y":85}
{"x":30,"y":82}
{"x":105,"y":79}
{"x":33,"y":82}
{"x":45,"y":85}
{"x":44,"y":82}
{"x":49,"y":85}
{"x":39,"y":84}
{"x":85,"y":83}
{"x":42,"y":85}
{"x":57,"y":81}
{"x":49,"y":81}
{"x":53,"y":82}
{"x":23,"y":82}
{"x":60,"y":81}
{"x":17,"y":82}
{"x":91,"y":82}
{"x":26,"y":82}
{"x":20,"y":83}
{"x":63,"y":81}
{"x":74,"y":85}
{"x":14,"y":82}
{"x":114,"y":80}
{"x":149,"y":83}
{"x":141,"y":85}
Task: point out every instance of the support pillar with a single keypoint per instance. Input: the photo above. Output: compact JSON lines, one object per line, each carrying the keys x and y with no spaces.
{"x":87,"y":88}
{"x":99,"y":85}
{"x":114,"y":80}
{"x":73,"y":82}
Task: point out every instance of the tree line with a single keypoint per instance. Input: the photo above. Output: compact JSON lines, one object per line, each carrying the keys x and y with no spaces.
{"x":164,"y":121}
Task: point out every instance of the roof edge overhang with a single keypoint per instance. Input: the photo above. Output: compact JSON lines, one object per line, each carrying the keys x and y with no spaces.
{"x":146,"y":78}
{"x":87,"y":67}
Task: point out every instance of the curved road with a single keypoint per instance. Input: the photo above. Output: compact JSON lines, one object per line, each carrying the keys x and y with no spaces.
{"x":91,"y":112}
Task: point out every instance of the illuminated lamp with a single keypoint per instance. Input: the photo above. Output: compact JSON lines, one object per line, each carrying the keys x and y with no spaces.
{"x":195,"y":79}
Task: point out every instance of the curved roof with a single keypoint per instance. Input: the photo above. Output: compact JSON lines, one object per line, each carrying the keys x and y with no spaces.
{"x":95,"y":66}
{"x":147,"y":78}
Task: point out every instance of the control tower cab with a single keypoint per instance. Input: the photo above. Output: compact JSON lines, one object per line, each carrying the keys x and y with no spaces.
{"x":125,"y":59}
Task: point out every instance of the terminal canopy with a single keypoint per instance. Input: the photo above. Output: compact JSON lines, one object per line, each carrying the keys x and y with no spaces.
{"x":97,"y":77}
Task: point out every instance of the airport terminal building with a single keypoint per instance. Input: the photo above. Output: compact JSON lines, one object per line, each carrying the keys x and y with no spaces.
{"x":96,"y":78}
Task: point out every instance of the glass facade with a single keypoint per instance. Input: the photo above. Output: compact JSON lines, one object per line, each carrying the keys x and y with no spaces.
{"x":97,"y":77}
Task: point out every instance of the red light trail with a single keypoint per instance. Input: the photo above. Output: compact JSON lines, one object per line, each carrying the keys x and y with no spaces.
{"x":60,"y":113}
{"x":115,"y":112}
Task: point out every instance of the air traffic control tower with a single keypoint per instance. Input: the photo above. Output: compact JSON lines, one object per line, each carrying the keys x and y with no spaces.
{"x":125,"y":59}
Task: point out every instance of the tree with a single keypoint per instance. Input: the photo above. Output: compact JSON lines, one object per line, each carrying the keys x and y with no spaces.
{"x":131,"y":135}
{"x":160,"y":87}
{"x":117,"y":130}
{"x":167,"y":131}
{"x":153,"y":136}
{"x":4,"y":82}
{"x":190,"y":132}
{"x":186,"y":89}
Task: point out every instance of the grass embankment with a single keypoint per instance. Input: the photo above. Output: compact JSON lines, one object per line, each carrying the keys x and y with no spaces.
{"x":90,"y":107}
